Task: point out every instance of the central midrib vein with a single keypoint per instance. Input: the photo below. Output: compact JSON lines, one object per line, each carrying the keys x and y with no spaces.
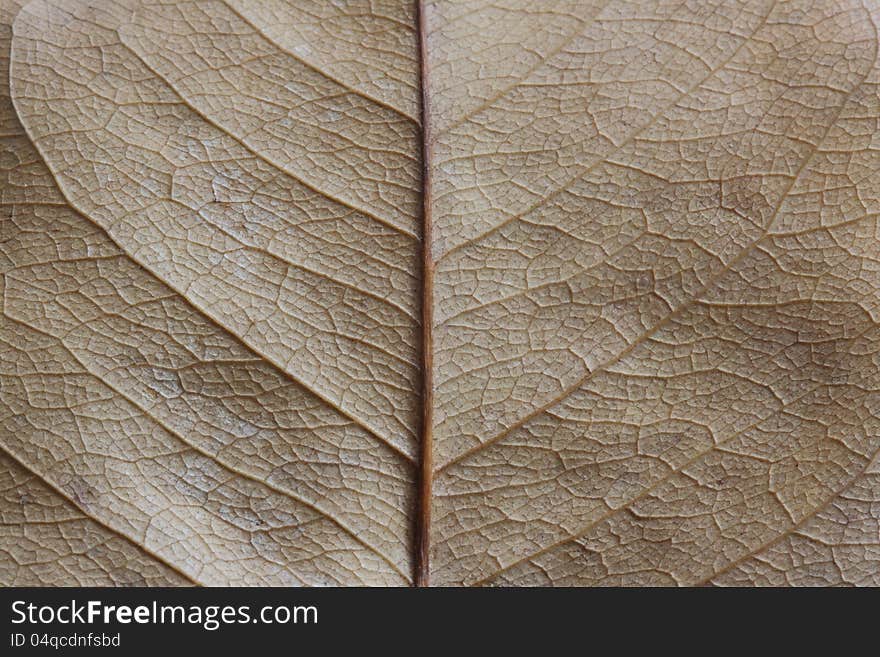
{"x":421,"y":574}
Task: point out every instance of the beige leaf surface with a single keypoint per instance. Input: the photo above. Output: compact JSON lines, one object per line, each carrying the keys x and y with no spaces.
{"x":384,"y":292}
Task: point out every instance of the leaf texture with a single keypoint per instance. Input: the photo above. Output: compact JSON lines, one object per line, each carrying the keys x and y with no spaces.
{"x":593,"y":286}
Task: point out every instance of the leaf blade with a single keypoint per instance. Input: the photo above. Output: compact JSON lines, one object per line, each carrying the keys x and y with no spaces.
{"x":560,"y":458}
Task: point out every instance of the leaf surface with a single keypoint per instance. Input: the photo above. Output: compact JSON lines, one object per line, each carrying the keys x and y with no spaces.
{"x":567,"y":293}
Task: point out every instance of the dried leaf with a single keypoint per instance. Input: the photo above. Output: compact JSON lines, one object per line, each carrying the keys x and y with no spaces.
{"x":594,"y":286}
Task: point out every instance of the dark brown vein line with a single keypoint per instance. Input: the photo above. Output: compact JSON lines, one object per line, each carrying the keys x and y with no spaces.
{"x":424,"y":493}
{"x":101,"y":523}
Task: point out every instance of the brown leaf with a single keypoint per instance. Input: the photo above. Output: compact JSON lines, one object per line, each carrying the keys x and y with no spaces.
{"x":563,"y":293}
